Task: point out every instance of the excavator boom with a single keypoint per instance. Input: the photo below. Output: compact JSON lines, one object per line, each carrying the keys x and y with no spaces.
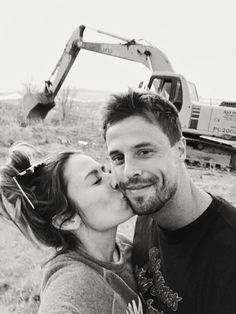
{"x":150,"y":56}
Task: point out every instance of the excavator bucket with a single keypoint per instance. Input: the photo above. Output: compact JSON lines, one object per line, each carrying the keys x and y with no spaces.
{"x":37,"y":105}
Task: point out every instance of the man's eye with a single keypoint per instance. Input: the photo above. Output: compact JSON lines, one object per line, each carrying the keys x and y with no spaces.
{"x":144,"y":153}
{"x":117,"y":160}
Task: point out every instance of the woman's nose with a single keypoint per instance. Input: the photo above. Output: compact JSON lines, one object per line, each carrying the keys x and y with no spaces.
{"x":112,"y":181}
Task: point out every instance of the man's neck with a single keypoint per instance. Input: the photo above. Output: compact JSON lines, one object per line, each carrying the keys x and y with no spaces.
{"x":188,"y":203}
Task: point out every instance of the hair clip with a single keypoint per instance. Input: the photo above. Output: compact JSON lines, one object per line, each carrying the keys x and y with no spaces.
{"x":29,"y":170}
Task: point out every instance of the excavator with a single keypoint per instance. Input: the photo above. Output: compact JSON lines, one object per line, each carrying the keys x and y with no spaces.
{"x":210,"y":130}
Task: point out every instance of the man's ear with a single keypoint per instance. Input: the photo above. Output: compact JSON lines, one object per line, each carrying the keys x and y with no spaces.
{"x":182,"y":148}
{"x":69,"y":225}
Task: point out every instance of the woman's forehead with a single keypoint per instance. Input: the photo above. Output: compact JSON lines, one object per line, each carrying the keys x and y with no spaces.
{"x":80,"y":165}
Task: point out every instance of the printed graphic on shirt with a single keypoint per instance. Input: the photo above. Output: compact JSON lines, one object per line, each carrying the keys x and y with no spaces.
{"x":134,"y":309}
{"x":150,"y":280}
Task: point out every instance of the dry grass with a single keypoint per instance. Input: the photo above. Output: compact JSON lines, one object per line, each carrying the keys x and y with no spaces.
{"x":20,"y":262}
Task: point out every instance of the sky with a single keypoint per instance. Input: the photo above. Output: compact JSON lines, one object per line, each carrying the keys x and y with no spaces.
{"x":197,"y":36}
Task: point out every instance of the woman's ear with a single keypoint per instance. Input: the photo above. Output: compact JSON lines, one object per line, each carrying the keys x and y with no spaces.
{"x":69,"y":225}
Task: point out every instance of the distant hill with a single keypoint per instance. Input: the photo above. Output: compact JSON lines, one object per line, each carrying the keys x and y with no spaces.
{"x":10,"y":95}
{"x":81,"y":94}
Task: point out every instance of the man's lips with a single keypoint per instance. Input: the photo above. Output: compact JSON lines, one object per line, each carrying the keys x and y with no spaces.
{"x":137,"y":188}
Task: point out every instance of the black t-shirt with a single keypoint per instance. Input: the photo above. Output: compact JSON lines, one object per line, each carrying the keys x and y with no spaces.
{"x":191,"y":270}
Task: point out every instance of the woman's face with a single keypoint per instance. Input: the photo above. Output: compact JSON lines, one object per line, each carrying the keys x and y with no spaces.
{"x":101,"y":206}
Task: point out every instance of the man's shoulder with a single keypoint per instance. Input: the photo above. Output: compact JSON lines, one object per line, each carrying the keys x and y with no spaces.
{"x":226,"y":210}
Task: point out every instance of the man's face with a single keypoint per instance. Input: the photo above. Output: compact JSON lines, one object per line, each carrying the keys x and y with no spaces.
{"x":146,"y":166}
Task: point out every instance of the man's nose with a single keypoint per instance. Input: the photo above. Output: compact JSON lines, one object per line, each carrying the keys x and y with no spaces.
{"x":131,"y":170}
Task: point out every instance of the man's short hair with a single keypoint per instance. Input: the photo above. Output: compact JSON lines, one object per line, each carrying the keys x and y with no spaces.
{"x":148,"y":105}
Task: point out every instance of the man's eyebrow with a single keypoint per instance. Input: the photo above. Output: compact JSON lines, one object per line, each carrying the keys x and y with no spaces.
{"x":140,"y":145}
{"x":92,"y":172}
{"x":143,"y":144}
{"x":113,"y":152}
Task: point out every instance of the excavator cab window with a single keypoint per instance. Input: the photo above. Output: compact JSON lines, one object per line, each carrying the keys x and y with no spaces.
{"x":193,"y":91}
{"x":178,"y":97}
{"x":166,"y":89}
{"x":169,"y":88}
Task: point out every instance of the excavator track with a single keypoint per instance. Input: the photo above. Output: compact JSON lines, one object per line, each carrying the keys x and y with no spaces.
{"x":204,"y":154}
{"x":193,"y":161}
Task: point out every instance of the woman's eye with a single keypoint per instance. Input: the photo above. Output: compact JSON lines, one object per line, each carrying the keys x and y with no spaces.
{"x":97,"y":181}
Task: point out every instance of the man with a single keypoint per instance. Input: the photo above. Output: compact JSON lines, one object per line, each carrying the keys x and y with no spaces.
{"x":184,"y":252}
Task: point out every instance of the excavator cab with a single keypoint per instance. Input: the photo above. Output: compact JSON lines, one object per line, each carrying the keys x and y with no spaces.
{"x":169,"y":88}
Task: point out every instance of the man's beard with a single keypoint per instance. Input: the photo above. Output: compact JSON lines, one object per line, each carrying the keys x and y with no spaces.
{"x":148,"y":204}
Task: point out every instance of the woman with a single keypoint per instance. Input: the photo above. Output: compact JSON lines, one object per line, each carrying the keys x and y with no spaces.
{"x":69,"y":202}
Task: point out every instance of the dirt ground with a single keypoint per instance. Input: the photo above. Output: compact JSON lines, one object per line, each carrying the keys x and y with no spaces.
{"x":216,"y":182}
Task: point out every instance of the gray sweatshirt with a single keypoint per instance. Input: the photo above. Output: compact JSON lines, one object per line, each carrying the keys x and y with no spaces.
{"x":76,"y":283}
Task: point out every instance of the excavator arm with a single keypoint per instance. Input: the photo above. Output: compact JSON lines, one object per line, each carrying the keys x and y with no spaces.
{"x":148,"y":55}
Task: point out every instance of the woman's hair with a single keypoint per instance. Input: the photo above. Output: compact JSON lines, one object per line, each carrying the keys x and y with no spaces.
{"x":32,"y":199}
